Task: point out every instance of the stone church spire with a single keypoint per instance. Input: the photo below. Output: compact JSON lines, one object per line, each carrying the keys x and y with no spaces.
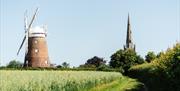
{"x":129,"y":41}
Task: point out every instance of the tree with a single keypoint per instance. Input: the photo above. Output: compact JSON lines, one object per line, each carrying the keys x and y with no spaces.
{"x":169,"y":64}
{"x":164,"y":71}
{"x":103,"y":67}
{"x":14,"y":64}
{"x":150,"y":57}
{"x":59,"y":66}
{"x":95,"y":61}
{"x":124,"y":59}
{"x":65,"y":65}
{"x":159,"y":54}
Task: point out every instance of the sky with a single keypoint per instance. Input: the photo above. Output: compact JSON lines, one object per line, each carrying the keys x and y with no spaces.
{"x":81,"y":29}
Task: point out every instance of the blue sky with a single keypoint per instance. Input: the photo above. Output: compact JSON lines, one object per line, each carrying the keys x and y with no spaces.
{"x":81,"y":29}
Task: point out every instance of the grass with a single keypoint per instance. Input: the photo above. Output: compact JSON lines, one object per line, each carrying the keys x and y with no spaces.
{"x":64,"y":81}
{"x":54,"y":80}
{"x":123,"y":84}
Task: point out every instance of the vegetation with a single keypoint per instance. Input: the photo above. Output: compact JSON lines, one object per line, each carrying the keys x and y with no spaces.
{"x":150,"y":56}
{"x":124,"y":59}
{"x":123,"y":84}
{"x":161,"y":74}
{"x":14,"y":64}
{"x":58,"y":80}
{"x":94,"y":62}
{"x":65,"y":65}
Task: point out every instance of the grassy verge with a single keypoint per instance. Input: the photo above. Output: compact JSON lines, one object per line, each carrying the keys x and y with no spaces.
{"x":122,"y":84}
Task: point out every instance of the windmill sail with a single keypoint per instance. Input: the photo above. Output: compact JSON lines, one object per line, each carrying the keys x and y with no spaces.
{"x":32,"y":19}
{"x":27,"y":30}
{"x":25,"y":21}
{"x":21,"y":44}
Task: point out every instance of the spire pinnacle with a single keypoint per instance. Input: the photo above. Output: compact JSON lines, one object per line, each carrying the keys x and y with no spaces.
{"x":128,"y":19}
{"x":129,"y":43}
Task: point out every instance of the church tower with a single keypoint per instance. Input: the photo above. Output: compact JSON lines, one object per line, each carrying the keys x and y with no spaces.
{"x":129,"y":41}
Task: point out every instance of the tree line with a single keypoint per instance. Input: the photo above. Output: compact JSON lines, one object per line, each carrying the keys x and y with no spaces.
{"x":120,"y":61}
{"x":159,"y":72}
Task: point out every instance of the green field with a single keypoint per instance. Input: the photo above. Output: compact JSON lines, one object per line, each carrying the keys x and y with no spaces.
{"x":64,"y":81}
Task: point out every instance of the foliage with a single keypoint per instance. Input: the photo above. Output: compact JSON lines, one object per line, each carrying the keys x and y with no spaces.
{"x":87,"y":66}
{"x":94,"y":62}
{"x":54,"y":80}
{"x":65,"y":65}
{"x":150,"y":76}
{"x":125,"y":59}
{"x":59,"y":66}
{"x":97,"y":61}
{"x":103,"y":67}
{"x":163,"y":73}
{"x":159,"y":54}
{"x":150,"y":56}
{"x":169,"y":64}
{"x":14,"y":64}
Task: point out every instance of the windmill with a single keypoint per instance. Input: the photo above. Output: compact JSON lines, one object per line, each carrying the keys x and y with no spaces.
{"x":36,"y":52}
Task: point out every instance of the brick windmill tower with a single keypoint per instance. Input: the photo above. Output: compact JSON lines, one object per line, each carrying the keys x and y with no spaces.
{"x":36,"y":54}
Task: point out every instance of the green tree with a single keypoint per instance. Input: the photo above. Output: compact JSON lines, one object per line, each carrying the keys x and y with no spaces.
{"x":124,"y":59}
{"x":96,"y":61}
{"x":103,"y":67}
{"x":65,"y":65}
{"x":150,"y":56}
{"x":59,"y":66}
{"x":164,"y":71}
{"x":14,"y":64}
{"x":169,"y":64}
{"x":159,"y":54}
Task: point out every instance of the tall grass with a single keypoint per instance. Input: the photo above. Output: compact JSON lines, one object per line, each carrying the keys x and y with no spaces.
{"x":54,"y":80}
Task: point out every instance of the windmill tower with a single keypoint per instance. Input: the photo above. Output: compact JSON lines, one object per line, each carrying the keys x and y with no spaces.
{"x":36,"y":53}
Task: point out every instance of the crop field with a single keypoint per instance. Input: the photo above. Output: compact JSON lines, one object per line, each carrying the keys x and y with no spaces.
{"x":56,"y":80}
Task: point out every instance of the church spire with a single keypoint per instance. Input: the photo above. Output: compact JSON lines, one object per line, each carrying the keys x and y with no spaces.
{"x":129,"y":43}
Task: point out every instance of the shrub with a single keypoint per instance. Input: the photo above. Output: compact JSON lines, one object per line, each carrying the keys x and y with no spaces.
{"x":14,"y":64}
{"x":150,"y":56}
{"x":162,"y":74}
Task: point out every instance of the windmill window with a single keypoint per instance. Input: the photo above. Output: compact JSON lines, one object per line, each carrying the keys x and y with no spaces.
{"x":35,"y":41}
{"x":26,"y":62}
{"x":46,"y":62}
{"x":36,"y":50}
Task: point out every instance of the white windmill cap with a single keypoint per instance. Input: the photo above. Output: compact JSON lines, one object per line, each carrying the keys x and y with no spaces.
{"x":37,"y":32}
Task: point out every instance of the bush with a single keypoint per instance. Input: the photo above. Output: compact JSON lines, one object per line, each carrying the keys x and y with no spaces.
{"x":150,"y":56}
{"x":150,"y":76}
{"x":169,"y":63}
{"x":14,"y":64}
{"x":162,"y":74}
{"x":109,"y":69}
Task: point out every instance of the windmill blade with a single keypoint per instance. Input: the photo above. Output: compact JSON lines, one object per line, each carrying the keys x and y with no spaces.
{"x":27,"y":28}
{"x":25,"y":21}
{"x":32,"y":19}
{"x":21,"y":44}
